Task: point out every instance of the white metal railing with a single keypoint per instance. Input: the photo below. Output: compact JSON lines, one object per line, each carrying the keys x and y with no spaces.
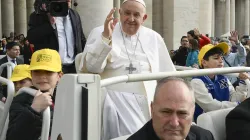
{"x":10,"y":66}
{"x":10,"y":94}
{"x":10,"y":91}
{"x":160,"y":75}
{"x":183,"y":68}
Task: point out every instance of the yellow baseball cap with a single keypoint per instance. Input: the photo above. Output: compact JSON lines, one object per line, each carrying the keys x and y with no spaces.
{"x":46,"y":59}
{"x":223,"y":46}
{"x":20,"y":72}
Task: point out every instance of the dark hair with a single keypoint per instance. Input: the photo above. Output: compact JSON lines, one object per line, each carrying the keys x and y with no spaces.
{"x":10,"y":45}
{"x":194,"y":43}
{"x":183,"y":37}
{"x":213,"y":51}
{"x":191,"y":32}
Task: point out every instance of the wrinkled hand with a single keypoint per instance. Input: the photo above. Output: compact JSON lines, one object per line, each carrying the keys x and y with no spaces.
{"x":196,"y":32}
{"x":3,"y":99}
{"x":243,"y":76}
{"x":234,"y":36}
{"x":41,"y":101}
{"x":109,"y":24}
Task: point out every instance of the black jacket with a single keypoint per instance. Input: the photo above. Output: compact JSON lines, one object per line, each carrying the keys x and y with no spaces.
{"x":42,"y":34}
{"x":24,"y":122}
{"x":180,"y":56}
{"x":238,"y":122}
{"x":147,"y":133}
{"x":27,"y":53}
{"x":3,"y":89}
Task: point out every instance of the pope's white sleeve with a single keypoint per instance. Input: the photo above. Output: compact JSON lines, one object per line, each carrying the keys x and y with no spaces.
{"x":95,"y":53}
{"x":205,"y":100}
{"x":238,"y":94}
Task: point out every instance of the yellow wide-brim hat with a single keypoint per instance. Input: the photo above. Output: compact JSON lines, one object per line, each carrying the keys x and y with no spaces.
{"x":20,"y":72}
{"x":223,"y":46}
{"x":46,"y":59}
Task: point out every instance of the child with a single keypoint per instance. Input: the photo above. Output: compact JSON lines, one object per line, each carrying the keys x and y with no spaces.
{"x":25,"y":116}
{"x":21,"y":77}
{"x":214,"y":92}
{"x":192,"y":58}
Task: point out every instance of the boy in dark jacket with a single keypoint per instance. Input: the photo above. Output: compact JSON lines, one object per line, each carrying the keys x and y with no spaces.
{"x":25,"y":116}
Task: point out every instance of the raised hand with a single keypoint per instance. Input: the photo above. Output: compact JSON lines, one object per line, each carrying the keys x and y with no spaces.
{"x":41,"y":101}
{"x":196,"y":32}
{"x":234,"y":36}
{"x":109,"y":24}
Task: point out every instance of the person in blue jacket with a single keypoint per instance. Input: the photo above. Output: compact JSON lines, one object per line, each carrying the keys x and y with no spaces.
{"x":192,"y":58}
{"x":214,"y":92}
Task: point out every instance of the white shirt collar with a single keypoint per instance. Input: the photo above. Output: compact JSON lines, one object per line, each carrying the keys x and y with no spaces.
{"x":9,"y":59}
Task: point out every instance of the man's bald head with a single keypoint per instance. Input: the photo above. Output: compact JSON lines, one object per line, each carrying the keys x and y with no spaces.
{"x":177,"y":81}
{"x":172,"y":109}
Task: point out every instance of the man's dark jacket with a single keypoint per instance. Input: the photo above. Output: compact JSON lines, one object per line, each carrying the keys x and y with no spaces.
{"x":238,"y":122}
{"x":180,"y":56}
{"x":147,"y":133}
{"x":3,"y":91}
{"x":42,"y":34}
{"x":24,"y":122}
{"x":27,"y":53}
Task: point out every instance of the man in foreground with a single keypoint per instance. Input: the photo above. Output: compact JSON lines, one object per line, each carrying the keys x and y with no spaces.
{"x":172,"y":114}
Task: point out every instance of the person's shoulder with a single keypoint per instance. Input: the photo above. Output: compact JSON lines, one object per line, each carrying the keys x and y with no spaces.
{"x":19,"y":60}
{"x":197,"y":78}
{"x":73,"y":11}
{"x":201,"y":133}
{"x":3,"y":60}
{"x":219,"y":77}
{"x":149,"y":31}
{"x":96,"y":31}
{"x":33,"y":14}
{"x":241,"y":110}
{"x":143,"y":133}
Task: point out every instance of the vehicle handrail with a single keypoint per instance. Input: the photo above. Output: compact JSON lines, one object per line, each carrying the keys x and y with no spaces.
{"x":9,"y":99}
{"x":10,"y":66}
{"x":160,"y":75}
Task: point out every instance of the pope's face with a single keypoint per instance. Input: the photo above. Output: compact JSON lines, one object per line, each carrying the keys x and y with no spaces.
{"x":132,"y":15}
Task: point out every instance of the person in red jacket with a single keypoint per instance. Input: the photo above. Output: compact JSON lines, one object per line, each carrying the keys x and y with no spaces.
{"x":202,"y":39}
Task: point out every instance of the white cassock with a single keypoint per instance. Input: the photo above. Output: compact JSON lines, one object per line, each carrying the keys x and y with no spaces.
{"x":126,"y":105}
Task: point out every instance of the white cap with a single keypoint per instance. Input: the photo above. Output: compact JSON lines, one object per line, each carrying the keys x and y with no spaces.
{"x":140,"y":1}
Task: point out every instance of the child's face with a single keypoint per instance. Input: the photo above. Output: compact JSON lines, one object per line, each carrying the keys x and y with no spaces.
{"x":214,"y":61}
{"x":45,"y":80}
{"x":23,"y":83}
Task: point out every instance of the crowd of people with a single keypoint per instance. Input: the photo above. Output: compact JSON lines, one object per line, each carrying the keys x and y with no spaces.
{"x":127,"y":47}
